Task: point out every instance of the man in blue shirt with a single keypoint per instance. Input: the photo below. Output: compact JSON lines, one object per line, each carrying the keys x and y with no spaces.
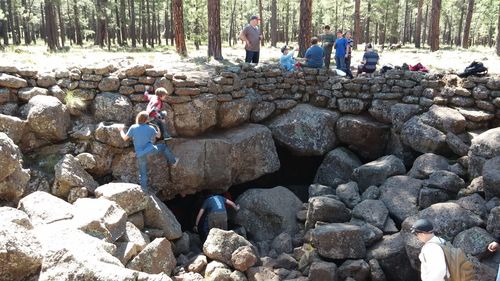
{"x":216,"y":216}
{"x":314,"y":55}
{"x":370,"y":61}
{"x":340,"y":51}
{"x":286,"y":60}
{"x":142,"y":135}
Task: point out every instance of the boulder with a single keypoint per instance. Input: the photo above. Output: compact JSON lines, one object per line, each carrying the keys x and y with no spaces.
{"x":355,"y":269}
{"x":371,"y":233}
{"x":285,"y":261}
{"x":474,"y":203}
{"x":473,"y":241}
{"x":456,"y":144}
{"x":376,"y":272}
{"x":321,"y":270}
{"x":48,"y":118}
{"x":430,"y":196}
{"x":262,"y":111}
{"x":25,"y":94}
{"x":13,"y":178}
{"x":349,"y":194}
{"x":282,"y":243}
{"x":391,"y":255}
{"x":198,"y":265}
{"x":376,"y":172}
{"x":234,"y":113}
{"x":493,"y":225}
{"x":325,"y":209}
{"x":10,"y":81}
{"x":128,"y":196}
{"x":483,"y":147}
{"x":320,"y":190}
{"x":13,"y":127}
{"x":69,"y":174}
{"x":305,"y":130}
{"x":87,"y":160}
{"x":133,"y":235}
{"x":44,"y":208}
{"x":156,"y":258}
{"x":338,"y":241}
{"x":259,"y":205}
{"x":157,"y":215}
{"x":243,"y":258}
{"x":10,"y":156}
{"x":109,"y":84}
{"x":217,"y":274}
{"x":112,"y":107}
{"x":20,"y":250}
{"x":363,"y":135}
{"x":46,"y":79}
{"x":381,"y":110}
{"x":402,"y":112}
{"x":337,"y":165}
{"x":125,"y":251}
{"x":400,"y":195}
{"x":445,"y":119}
{"x":372,"y":211}
{"x":109,"y":133}
{"x":426,"y":164}
{"x":100,"y":218}
{"x":445,"y":180}
{"x":221,"y":244}
{"x":261,"y":273}
{"x":196,"y":117}
{"x":491,"y":177}
{"x":422,"y":137}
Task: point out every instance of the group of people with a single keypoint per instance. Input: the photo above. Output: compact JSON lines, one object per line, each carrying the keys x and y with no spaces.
{"x":316,"y":56}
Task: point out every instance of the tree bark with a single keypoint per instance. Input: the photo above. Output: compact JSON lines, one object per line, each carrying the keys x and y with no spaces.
{"x":214,"y":39}
{"x":274,"y":23}
{"x":468,"y":20}
{"x":232,"y":24}
{"x":148,"y":33}
{"x":498,"y":32}
{"x":368,"y":21}
{"x":123,"y":22}
{"x":51,"y":25}
{"x":405,"y":25}
{"x":305,"y":26}
{"x":4,"y":25}
{"x":434,"y":26}
{"x":101,"y":28}
{"x":132,"y":23}
{"x":26,"y":27}
{"x":357,"y":24}
{"x":61,"y":24}
{"x":78,"y":31}
{"x":12,"y":23}
{"x":178,"y":19}
{"x":418,"y":24}
{"x":287,"y":22}
{"x":425,"y":33}
{"x":394,"y":36}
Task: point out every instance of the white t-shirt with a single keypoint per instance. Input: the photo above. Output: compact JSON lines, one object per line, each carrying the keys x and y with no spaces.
{"x":433,"y":263}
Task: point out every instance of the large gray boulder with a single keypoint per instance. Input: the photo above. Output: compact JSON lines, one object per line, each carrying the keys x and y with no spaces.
{"x":427,"y":164}
{"x":372,"y":211}
{"x":158,"y":215}
{"x":221,"y":244}
{"x":13,"y":127}
{"x":306,"y":130}
{"x":195,"y":117}
{"x":109,"y":133}
{"x":483,"y":147}
{"x":112,"y":107}
{"x":422,"y":137}
{"x":44,"y":208}
{"x":69,"y":174}
{"x":156,"y":258}
{"x":376,"y":172}
{"x":20,"y":250}
{"x":473,"y":241}
{"x":491,"y":177}
{"x":326,"y":209}
{"x":363,"y":135}
{"x":13,"y":178}
{"x":10,"y":81}
{"x":128,"y":196}
{"x":401,"y":112}
{"x":337,"y":167}
{"x":493,"y":225}
{"x":400,"y":195}
{"x":349,"y":194}
{"x":445,"y":180}
{"x":48,"y":118}
{"x":235,"y":112}
{"x":338,"y":241}
{"x":266,"y":213}
{"x":445,"y":119}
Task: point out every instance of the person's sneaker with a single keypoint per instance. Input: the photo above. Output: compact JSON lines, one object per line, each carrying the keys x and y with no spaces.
{"x":173,"y":165}
{"x":167,"y":138}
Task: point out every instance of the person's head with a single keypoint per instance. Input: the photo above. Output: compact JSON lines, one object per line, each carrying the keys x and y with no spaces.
{"x":142,"y":117}
{"x":254,"y":20}
{"x":285,"y":50}
{"x":314,"y":41}
{"x":423,"y":229}
{"x":368,"y":46}
{"x":348,"y":34}
{"x":161,"y":93}
{"x":326,"y":28}
{"x":339,"y":33}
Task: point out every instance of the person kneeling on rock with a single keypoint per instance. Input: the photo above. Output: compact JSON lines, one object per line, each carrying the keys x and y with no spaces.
{"x":216,"y":216}
{"x":143,"y":134}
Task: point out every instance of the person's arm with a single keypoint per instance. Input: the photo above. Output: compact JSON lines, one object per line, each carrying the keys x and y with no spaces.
{"x":493,"y":246}
{"x":198,"y":218}
{"x":233,"y":205}
{"x":124,"y":136}
{"x":347,"y":48}
{"x":243,"y":37}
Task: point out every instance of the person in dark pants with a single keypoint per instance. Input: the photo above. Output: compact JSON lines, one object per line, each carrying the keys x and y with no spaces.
{"x":370,"y":61}
{"x":340,"y":51}
{"x":327,"y":40}
{"x":348,"y":72}
{"x":251,"y":36}
{"x":215,"y":211}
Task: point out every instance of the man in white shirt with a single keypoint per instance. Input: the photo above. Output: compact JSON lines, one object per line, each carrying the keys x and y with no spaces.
{"x":433,"y":263}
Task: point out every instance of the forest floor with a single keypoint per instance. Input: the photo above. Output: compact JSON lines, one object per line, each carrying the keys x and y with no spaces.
{"x":196,"y":64}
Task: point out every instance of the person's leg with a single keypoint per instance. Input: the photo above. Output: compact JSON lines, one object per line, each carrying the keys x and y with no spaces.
{"x":328,"y":55}
{"x":248,"y":56}
{"x":337,"y":62}
{"x":143,"y":171}
{"x":163,"y":128}
{"x":348,"y":67}
{"x":255,"y":58}
{"x":217,"y":220}
{"x":342,"y":64}
{"x":167,"y":153}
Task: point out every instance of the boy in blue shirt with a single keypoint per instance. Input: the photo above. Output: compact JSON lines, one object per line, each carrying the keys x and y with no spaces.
{"x":142,"y":135}
{"x":286,"y":60}
{"x":216,"y":216}
{"x":340,"y":51}
{"x":314,"y":55}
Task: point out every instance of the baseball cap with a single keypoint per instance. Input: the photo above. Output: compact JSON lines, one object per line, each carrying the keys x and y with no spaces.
{"x":422,"y":226}
{"x":254,"y":18}
{"x":285,"y":48}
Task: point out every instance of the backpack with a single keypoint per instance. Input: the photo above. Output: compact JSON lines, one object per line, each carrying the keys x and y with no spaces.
{"x":459,"y":267}
{"x":475,"y":68}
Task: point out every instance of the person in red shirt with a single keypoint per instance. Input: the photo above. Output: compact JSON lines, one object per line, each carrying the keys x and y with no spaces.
{"x":154,"y":108}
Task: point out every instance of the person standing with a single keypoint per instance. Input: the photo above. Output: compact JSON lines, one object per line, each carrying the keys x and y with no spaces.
{"x":348,"y":72}
{"x":432,"y":259}
{"x":142,"y":135}
{"x":340,"y":46}
{"x":251,"y":36}
{"x":493,"y":247}
{"x":215,"y":210}
{"x":327,"y":41}
{"x":314,"y":55}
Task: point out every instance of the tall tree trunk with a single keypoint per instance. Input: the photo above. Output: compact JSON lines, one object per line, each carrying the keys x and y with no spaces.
{"x":118,"y":24}
{"x":4,"y":24}
{"x":418,"y":24}
{"x":153,"y":25}
{"x":468,"y":20}
{"x":148,"y":25}
{"x":425,"y":34}
{"x":394,"y":37}
{"x":51,"y":25}
{"x":172,"y":37}
{"x":61,"y":23}
{"x":434,"y":27}
{"x":274,"y":23}
{"x":232,"y":24}
{"x":261,"y":26}
{"x":12,"y":23}
{"x":498,"y":32}
{"x":166,"y":26}
{"x":178,"y":19}
{"x":101,"y":28}
{"x":214,"y":39}
{"x":143,"y":24}
{"x":42,"y":22}
{"x":132,"y":23}
{"x":123,"y":22}
{"x":368,"y":21}
{"x":458,"y":41}
{"x":78,"y":30}
{"x":383,"y":28}
{"x":305,"y":26}
{"x":287,"y":22}
{"x":357,"y":24}
{"x":26,"y":27}
{"x":18,"y":28}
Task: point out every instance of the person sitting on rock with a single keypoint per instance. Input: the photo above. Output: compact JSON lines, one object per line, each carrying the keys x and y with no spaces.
{"x":287,"y":61}
{"x":154,"y":108}
{"x":370,"y":61}
{"x":314,"y":55}
{"x":215,"y":211}
{"x":143,"y":134}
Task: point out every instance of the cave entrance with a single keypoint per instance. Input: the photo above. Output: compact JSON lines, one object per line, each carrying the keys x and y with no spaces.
{"x":296,"y":173}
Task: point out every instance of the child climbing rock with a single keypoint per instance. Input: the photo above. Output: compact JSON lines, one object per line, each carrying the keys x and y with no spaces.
{"x":143,"y":135}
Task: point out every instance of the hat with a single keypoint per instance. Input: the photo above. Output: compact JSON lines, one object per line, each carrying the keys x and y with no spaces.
{"x":285,"y":48}
{"x":422,"y":226}
{"x":254,"y":18}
